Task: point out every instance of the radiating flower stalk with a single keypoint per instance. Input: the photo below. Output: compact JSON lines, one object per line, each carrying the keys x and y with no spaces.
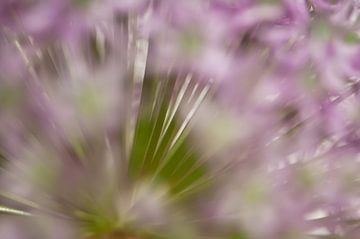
{"x":159,"y":119}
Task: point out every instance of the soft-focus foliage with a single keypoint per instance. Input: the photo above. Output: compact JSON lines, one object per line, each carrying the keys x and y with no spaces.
{"x":179,"y":119}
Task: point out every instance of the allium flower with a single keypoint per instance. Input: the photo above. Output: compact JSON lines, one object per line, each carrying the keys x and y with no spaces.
{"x":179,"y":119}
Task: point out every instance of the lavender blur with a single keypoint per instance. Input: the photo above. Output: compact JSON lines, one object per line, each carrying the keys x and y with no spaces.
{"x":178,"y":119}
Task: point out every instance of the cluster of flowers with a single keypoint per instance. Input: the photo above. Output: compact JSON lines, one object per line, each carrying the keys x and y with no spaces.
{"x":179,"y":119}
